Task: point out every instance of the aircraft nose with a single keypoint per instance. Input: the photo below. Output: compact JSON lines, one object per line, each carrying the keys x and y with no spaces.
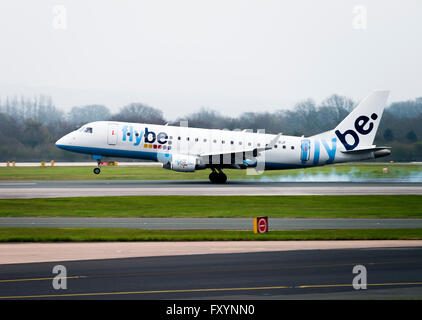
{"x":60,"y":142}
{"x":65,"y":141}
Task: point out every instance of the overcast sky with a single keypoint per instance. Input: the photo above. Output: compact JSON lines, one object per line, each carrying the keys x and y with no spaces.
{"x":231,"y":55}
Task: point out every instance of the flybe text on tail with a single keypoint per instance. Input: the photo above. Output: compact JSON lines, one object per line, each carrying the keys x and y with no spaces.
{"x":363,"y":126}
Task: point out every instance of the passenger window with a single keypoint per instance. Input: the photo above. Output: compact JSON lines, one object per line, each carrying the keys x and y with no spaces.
{"x":88,"y":130}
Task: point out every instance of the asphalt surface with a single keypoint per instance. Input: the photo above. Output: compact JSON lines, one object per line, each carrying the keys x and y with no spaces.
{"x":50,"y":189}
{"x":318,"y":274}
{"x":209,"y":223}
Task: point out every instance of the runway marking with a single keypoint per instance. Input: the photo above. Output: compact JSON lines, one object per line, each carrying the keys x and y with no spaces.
{"x":351,"y":285}
{"x":17,"y":183}
{"x":39,"y":279}
{"x":202,"y":290}
{"x":143,"y":292}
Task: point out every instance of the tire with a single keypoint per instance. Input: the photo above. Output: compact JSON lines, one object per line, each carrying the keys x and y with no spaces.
{"x":97,"y":170}
{"x":222,"y":178}
{"x":213,"y":177}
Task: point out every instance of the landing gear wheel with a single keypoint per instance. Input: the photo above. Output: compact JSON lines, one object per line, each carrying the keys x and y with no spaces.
{"x":213,"y":177}
{"x":217,"y":177}
{"x":222,"y":178}
{"x":97,"y":170}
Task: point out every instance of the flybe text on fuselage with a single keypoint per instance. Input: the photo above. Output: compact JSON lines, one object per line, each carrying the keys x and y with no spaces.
{"x":149,"y":137}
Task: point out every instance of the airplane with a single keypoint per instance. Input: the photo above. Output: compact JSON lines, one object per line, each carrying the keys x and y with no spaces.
{"x":185,"y":149}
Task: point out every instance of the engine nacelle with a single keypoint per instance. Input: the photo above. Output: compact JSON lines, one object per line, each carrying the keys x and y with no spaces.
{"x":183,"y":163}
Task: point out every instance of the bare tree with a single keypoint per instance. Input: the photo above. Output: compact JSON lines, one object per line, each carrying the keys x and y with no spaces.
{"x":138,"y":112}
{"x":89,"y":113}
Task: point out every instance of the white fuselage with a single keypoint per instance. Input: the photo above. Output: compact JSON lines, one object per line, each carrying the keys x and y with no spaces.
{"x":161,"y":143}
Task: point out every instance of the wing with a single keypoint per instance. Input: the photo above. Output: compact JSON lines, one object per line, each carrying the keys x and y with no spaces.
{"x":239,"y":157}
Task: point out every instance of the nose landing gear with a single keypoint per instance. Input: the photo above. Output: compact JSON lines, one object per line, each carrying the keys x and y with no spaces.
{"x":97,"y":170}
{"x":217,"y":177}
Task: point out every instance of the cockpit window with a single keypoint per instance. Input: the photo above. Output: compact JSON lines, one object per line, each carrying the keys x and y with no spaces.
{"x":88,"y":130}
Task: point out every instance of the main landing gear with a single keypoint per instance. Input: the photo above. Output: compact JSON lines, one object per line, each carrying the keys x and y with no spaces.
{"x":217,"y":177}
{"x":97,"y":170}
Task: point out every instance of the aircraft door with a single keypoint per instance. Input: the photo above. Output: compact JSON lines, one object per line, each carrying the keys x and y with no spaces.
{"x":112,"y":134}
{"x":305,"y":149}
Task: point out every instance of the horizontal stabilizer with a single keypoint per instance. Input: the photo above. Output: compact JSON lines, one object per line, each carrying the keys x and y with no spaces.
{"x":365,"y":149}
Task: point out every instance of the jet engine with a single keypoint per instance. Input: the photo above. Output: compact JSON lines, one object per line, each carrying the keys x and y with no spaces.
{"x":182,"y":163}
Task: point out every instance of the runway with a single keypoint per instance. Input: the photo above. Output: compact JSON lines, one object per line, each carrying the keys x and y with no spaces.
{"x":90,"y":188}
{"x":209,"y":223}
{"x":80,"y":164}
{"x":392,"y":273}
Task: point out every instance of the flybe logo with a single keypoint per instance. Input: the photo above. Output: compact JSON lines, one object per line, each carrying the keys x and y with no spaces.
{"x":360,"y":124}
{"x":330,"y":148}
{"x":150,"y":139}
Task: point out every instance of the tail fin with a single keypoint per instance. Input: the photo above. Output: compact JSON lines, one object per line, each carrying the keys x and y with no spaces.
{"x":361,"y":125}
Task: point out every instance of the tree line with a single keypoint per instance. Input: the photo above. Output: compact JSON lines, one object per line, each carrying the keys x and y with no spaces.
{"x":30,"y":126}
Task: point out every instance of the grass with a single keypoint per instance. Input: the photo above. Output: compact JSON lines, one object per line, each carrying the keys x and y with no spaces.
{"x":111,"y":234}
{"x":374,"y":206}
{"x":359,"y":170}
{"x":343,"y":206}
{"x":378,"y":206}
